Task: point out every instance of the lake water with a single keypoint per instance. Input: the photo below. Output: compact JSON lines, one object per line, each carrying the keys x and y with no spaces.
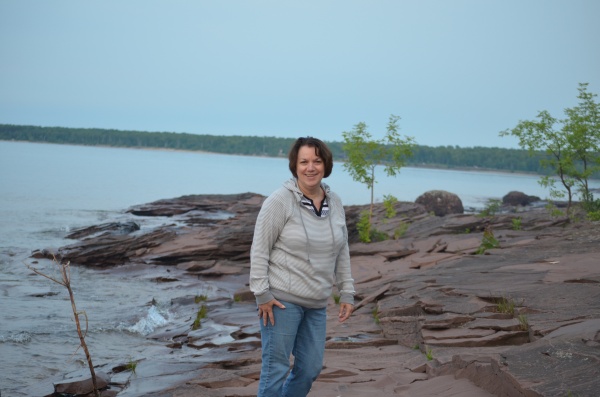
{"x":47,"y":190}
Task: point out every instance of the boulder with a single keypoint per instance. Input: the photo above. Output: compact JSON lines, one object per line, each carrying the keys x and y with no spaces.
{"x":515,"y":198}
{"x":441,"y":202}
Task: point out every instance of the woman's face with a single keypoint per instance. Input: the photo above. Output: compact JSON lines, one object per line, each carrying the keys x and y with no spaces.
{"x":310,"y":168}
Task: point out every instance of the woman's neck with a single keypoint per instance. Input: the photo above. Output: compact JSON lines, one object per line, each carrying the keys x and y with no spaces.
{"x":316,"y":194}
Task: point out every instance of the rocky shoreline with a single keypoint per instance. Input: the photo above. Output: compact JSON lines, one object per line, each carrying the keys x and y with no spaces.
{"x":438,"y":313}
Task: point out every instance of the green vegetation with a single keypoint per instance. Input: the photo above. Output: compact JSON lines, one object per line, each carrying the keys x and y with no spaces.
{"x":375,"y":314}
{"x":491,"y":207}
{"x":400,"y":230}
{"x":131,"y":366}
{"x":554,"y":211}
{"x":593,"y":215}
{"x":336,"y":298}
{"x":388,"y":203}
{"x":428,"y":353}
{"x":488,"y":241}
{"x":480,"y":158}
{"x":197,"y":324}
{"x":377,"y":235}
{"x":366,"y":233}
{"x":241,"y":145}
{"x":200,"y":298}
{"x":509,"y":306}
{"x":364,"y":154}
{"x":524,"y":322}
{"x":506,"y":305}
{"x":516,"y":223}
{"x":572,"y":149}
{"x":447,"y":157}
{"x":364,"y":227}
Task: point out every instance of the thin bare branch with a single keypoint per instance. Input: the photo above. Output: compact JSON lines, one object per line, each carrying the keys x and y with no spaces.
{"x":65,"y":271}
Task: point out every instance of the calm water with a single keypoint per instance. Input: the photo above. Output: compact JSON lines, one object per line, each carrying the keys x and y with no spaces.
{"x":48,"y":190}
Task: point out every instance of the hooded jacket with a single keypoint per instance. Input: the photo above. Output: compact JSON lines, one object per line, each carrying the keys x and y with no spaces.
{"x":297,"y":256}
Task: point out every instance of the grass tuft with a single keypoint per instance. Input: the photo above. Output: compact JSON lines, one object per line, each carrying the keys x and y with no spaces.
{"x":507,"y":306}
{"x":131,"y":366}
{"x":524,"y":323}
{"x":429,"y":353}
{"x":516,"y":223}
{"x":199,"y":316}
{"x":375,"y":314}
{"x":200,"y":298}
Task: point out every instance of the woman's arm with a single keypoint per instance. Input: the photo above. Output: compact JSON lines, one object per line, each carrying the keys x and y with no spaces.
{"x":269,"y":224}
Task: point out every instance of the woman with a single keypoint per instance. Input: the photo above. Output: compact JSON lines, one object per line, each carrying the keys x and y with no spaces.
{"x":300,"y":249}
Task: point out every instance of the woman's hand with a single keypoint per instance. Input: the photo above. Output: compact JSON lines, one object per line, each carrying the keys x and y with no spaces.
{"x":345,"y":311}
{"x":265,"y":311}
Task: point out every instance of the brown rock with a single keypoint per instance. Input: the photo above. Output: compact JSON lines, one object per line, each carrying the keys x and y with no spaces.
{"x":446,"y":320}
{"x":448,"y":304}
{"x":515,"y":198}
{"x":440,"y":202}
{"x":221,"y":227}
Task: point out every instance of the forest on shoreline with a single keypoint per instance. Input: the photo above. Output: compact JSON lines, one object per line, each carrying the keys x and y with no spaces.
{"x":449,"y":157}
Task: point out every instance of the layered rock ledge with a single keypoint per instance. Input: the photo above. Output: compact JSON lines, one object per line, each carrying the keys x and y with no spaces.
{"x":438,"y":313}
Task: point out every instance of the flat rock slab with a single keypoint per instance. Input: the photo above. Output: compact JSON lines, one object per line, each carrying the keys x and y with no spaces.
{"x":427,"y":320}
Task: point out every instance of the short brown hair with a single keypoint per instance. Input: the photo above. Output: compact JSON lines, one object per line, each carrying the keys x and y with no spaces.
{"x":321,"y":150}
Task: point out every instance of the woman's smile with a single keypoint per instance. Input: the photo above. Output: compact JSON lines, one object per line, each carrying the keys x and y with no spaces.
{"x":310,"y":169}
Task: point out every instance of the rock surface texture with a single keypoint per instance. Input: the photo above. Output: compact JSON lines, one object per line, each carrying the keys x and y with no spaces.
{"x":441,"y":202}
{"x":432,"y":318}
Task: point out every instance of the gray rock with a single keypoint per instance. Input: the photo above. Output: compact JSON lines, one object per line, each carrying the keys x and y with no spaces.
{"x":81,"y":384}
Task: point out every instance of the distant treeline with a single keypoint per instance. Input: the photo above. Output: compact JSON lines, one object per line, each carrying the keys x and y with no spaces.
{"x":483,"y":158}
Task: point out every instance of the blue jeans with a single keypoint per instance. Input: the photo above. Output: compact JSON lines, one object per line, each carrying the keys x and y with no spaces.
{"x":298,"y":331}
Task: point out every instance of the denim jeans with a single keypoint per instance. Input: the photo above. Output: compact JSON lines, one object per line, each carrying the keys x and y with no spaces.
{"x":299,"y":331}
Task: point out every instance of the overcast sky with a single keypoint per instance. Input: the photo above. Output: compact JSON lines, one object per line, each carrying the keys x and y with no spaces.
{"x":456,"y":72}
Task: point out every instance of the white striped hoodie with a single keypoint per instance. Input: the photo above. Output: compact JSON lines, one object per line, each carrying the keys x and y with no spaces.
{"x":297,"y":256}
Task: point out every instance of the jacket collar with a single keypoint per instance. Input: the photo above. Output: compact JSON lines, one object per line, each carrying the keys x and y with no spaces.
{"x":292,"y":185}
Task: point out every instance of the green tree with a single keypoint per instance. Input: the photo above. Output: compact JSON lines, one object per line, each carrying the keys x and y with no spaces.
{"x":572,"y":148}
{"x":583,"y":133}
{"x":364,"y":154}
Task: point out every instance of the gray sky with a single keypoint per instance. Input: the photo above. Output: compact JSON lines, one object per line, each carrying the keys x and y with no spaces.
{"x":456,"y":72}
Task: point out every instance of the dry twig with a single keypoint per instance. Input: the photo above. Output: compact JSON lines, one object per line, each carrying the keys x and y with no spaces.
{"x":65,"y":281}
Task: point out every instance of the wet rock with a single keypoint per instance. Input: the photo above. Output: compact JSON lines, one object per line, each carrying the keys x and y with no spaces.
{"x":112,"y":250}
{"x":106,"y":228}
{"x":226,"y":234}
{"x":80,"y":384}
